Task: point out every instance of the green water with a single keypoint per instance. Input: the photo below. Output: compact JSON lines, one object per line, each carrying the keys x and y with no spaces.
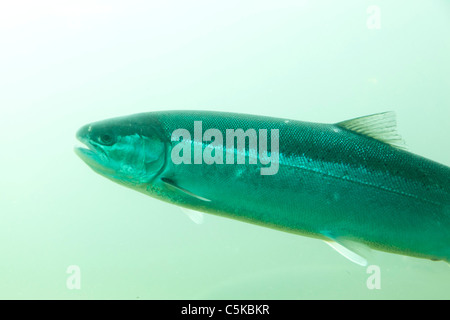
{"x":64,"y":65}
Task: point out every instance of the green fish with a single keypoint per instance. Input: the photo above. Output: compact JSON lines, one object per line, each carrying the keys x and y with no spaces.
{"x":351,"y":183}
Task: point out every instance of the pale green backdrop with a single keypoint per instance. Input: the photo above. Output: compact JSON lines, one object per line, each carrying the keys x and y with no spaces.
{"x":64,"y":64}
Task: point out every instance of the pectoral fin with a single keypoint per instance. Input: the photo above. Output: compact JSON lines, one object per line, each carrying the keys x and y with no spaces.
{"x":196,"y":216}
{"x":173,"y":185}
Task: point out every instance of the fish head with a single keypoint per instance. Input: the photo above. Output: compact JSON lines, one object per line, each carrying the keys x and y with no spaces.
{"x":128,"y":150}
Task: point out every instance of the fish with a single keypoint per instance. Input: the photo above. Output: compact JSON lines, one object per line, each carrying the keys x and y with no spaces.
{"x":352,"y":183}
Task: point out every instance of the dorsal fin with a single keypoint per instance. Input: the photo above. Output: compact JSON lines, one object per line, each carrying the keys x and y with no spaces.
{"x":380,"y":126}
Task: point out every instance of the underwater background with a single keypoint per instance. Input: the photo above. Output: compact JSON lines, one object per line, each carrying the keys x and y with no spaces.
{"x":68,"y":233}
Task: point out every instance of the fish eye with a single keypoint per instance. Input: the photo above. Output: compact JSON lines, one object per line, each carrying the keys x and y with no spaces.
{"x":106,"y":139}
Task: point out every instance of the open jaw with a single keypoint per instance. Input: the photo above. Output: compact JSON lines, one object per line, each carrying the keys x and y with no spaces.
{"x":92,"y":155}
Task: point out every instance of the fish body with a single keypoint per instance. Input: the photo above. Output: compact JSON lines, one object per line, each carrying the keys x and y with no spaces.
{"x":346,"y":182}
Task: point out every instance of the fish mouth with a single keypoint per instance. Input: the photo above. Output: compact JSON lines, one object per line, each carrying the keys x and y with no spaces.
{"x":93,"y":156}
{"x":87,"y":152}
